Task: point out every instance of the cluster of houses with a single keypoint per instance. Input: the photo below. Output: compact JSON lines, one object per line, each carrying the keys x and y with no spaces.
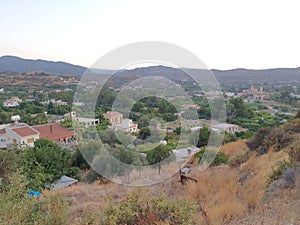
{"x":12,"y":102}
{"x":22,"y":134}
{"x":251,"y":95}
{"x":54,"y":102}
{"x":254,"y":94}
{"x":222,"y":127}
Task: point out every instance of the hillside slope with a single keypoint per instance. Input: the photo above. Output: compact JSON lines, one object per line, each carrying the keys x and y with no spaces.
{"x":19,"y":65}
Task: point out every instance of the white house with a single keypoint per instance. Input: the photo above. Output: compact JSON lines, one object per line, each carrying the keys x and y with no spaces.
{"x":129,"y":126}
{"x":117,"y":122}
{"x":230,"y":128}
{"x":17,"y":134}
{"x":87,"y":122}
{"x":9,"y":103}
{"x":114,"y":118}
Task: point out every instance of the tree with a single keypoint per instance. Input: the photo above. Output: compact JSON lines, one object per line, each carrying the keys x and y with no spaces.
{"x":44,"y":163}
{"x":200,"y":139}
{"x":157,"y":155}
{"x":144,"y":133}
{"x":108,"y":136}
{"x":237,"y":108}
{"x":143,"y":122}
{"x":138,"y":107}
{"x":257,"y":143}
{"x":216,"y":158}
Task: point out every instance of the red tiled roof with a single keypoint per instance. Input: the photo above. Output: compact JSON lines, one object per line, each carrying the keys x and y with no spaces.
{"x":3,"y":131}
{"x":53,"y":132}
{"x":112,"y":114}
{"x":186,"y":106}
{"x":24,"y":131}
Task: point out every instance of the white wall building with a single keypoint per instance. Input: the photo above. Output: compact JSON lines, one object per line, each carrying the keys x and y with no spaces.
{"x":117,"y":122}
{"x":17,"y":134}
{"x":129,"y":126}
{"x":230,"y":128}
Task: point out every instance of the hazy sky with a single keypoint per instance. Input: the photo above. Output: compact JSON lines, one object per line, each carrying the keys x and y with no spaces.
{"x":224,"y":34}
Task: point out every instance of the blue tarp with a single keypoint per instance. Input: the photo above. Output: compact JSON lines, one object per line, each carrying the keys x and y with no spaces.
{"x":33,"y":193}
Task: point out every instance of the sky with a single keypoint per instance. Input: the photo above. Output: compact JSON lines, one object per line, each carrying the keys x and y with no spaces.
{"x":255,"y":34}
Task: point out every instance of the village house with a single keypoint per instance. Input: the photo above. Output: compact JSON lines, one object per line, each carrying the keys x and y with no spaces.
{"x":129,"y":126}
{"x":117,"y":122}
{"x":19,"y":134}
{"x":254,"y":94}
{"x":114,"y":118}
{"x":188,"y":106}
{"x":87,"y":122}
{"x":230,"y":128}
{"x":56,"y":133}
{"x":12,"y":102}
{"x":54,"y":102}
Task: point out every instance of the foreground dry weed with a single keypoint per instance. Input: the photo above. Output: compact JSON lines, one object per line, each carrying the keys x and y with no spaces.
{"x":224,"y":193}
{"x":217,"y":193}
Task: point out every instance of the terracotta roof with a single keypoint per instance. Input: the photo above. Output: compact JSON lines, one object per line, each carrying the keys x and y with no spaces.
{"x":53,"y":132}
{"x":24,"y":131}
{"x":112,"y":114}
{"x":3,"y":131}
{"x":187,"y":106}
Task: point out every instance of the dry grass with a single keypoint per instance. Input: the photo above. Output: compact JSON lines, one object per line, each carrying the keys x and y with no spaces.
{"x":217,"y":194}
{"x":90,"y":200}
{"x":257,"y":170}
{"x":233,"y":149}
{"x":224,"y":193}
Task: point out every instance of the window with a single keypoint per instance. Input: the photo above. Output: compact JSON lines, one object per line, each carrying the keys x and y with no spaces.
{"x":30,"y":140}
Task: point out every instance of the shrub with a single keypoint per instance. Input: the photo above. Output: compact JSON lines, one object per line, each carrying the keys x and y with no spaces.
{"x":294,"y":151}
{"x":219,"y":157}
{"x":239,"y":159}
{"x":135,"y":209}
{"x":289,"y":178}
{"x":277,"y":172}
{"x":257,"y":143}
{"x":18,"y":208}
{"x":278,"y":139}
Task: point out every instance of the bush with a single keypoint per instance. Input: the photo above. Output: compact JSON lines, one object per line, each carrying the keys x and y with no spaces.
{"x":257,"y":143}
{"x":157,"y":210}
{"x":277,"y":172}
{"x":239,"y":159}
{"x":294,"y":151}
{"x":219,"y":157}
{"x":44,"y":163}
{"x":278,"y":139}
{"x":274,"y":139}
{"x":289,"y":178}
{"x":18,"y":208}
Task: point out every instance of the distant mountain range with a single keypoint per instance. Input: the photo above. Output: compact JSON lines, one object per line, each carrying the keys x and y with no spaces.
{"x":19,"y":65}
{"x":235,"y":76}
